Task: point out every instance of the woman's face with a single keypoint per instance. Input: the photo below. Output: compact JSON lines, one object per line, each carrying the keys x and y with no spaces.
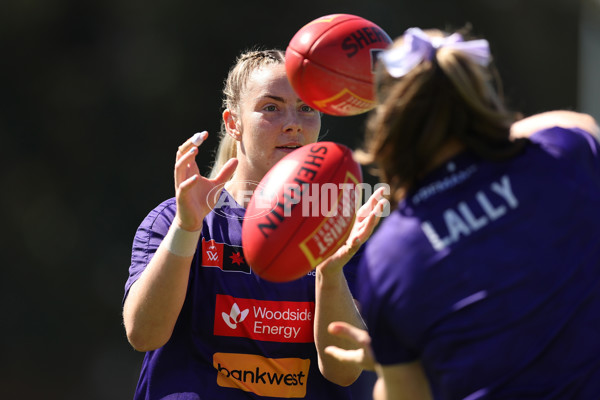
{"x":273,"y":121}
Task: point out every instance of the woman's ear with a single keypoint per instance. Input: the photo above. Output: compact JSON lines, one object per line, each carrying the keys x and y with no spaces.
{"x":232,"y":125}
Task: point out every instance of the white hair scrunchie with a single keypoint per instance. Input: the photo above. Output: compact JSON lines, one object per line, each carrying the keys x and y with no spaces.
{"x":418,"y":47}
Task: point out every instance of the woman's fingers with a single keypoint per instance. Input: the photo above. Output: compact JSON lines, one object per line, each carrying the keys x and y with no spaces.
{"x":348,"y":356}
{"x":227,"y":171}
{"x":350,"y":332}
{"x":368,"y":216}
{"x":184,"y":167}
{"x":371,"y":203}
{"x":360,"y":338}
{"x":194,"y":141}
{"x":187,"y":184}
{"x":375,"y":214}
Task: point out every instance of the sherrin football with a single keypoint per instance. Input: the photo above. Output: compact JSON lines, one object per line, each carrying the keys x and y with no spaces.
{"x":330,"y":63}
{"x":301,"y":212}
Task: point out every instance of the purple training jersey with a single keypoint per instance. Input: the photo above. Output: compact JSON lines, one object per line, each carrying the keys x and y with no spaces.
{"x":237,"y":336}
{"x":489,"y":273}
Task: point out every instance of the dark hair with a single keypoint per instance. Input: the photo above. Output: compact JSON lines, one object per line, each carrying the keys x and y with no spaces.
{"x":447,"y":99}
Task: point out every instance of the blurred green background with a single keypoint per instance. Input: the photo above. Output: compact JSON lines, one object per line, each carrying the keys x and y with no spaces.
{"x":95,"y":97}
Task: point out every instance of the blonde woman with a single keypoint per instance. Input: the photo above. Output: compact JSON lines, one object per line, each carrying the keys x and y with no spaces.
{"x":212,"y":329}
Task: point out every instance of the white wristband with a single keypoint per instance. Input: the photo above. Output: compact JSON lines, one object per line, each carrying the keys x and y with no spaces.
{"x":180,"y":242}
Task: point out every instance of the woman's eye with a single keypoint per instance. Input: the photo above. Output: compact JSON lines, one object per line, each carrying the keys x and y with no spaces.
{"x":270,"y":107}
{"x":306,"y":108}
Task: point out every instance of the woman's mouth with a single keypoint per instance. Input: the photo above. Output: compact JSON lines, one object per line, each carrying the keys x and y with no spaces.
{"x":288,"y":148}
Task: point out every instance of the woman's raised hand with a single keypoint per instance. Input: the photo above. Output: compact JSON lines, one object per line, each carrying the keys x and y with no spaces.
{"x":196,"y":195}
{"x":367,"y":218}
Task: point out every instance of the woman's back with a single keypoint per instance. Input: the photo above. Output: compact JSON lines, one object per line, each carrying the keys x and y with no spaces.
{"x":493,"y":279}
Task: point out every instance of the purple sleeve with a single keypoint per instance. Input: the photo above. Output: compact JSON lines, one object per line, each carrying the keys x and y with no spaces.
{"x":381,"y":316}
{"x":385,"y":284}
{"x":148,"y":237}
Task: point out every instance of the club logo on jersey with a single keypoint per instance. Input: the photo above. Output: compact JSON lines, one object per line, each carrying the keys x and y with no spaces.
{"x":269,"y":377}
{"x":223,"y":256}
{"x":273,"y":321}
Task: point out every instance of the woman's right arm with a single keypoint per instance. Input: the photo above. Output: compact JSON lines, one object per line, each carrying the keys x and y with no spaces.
{"x":564,"y":119}
{"x":155,"y":300}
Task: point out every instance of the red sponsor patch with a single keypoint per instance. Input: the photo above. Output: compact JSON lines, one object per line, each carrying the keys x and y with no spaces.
{"x":273,"y":321}
{"x":212,"y":254}
{"x":226,"y":257}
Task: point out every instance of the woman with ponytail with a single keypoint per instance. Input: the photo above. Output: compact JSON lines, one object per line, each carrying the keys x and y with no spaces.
{"x":210,"y":327}
{"x":484,"y":282}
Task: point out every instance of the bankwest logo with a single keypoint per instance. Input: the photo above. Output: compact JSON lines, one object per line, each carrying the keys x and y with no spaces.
{"x":270,"y":377}
{"x":273,"y":321}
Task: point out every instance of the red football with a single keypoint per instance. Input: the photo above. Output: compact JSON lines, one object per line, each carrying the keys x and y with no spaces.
{"x":330,"y":63}
{"x":301,"y":212}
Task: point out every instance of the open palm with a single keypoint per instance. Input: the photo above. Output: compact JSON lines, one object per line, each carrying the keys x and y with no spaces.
{"x":196,"y":195}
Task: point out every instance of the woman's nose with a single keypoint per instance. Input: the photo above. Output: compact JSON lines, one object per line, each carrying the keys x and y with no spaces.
{"x":292,"y":122}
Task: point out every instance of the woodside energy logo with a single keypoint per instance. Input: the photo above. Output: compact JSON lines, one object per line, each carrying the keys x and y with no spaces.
{"x":273,"y":321}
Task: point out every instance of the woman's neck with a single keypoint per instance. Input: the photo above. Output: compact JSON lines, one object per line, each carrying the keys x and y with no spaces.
{"x":449,"y":150}
{"x":241,"y":188}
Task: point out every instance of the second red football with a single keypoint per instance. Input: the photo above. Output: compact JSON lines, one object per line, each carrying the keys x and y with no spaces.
{"x":301,"y":212}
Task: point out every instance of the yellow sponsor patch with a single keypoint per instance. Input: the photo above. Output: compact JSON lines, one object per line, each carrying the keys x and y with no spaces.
{"x":271,"y":377}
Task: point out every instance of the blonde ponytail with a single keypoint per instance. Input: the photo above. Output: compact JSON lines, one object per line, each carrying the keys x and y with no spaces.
{"x":235,"y":84}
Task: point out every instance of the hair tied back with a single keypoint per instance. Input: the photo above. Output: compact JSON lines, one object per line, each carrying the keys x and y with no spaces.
{"x":418,"y":47}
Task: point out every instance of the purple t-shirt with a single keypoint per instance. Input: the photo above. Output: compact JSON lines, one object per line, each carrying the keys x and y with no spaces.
{"x":237,"y":336}
{"x":489,"y":273}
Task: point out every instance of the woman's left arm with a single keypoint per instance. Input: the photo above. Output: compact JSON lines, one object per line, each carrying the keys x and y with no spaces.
{"x":562,"y":118}
{"x":402,"y":382}
{"x":395,"y":382}
{"x":334,"y":301}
